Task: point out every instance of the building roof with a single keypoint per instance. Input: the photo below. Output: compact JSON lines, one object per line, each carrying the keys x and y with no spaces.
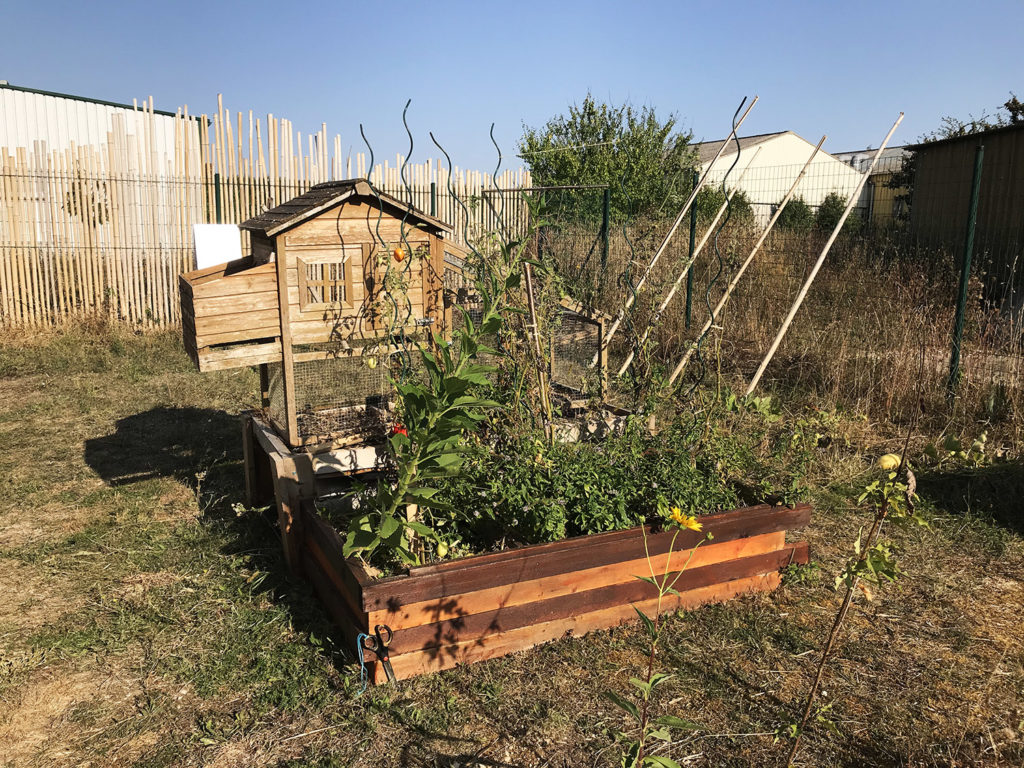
{"x":7,"y":86}
{"x":324,"y":196}
{"x":706,"y":150}
{"x":860,"y":159}
{"x":968,"y":137}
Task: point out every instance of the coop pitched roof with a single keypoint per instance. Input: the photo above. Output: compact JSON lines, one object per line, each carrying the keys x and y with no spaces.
{"x":325,"y":196}
{"x":706,"y":150}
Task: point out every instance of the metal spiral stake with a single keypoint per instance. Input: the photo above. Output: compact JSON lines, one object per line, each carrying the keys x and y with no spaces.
{"x":404,"y":352}
{"x":393,"y":322}
{"x":702,"y":368}
{"x":502,"y":231}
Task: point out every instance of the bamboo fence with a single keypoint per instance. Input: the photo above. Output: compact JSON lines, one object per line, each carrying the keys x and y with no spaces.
{"x":104,"y":231}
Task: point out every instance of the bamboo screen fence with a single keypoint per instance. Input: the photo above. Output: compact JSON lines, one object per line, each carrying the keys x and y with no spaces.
{"x":106,"y":230}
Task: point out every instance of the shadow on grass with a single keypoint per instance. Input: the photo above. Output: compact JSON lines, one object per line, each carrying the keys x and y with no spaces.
{"x":179,"y":443}
{"x":995,"y":492}
{"x":202,"y":449}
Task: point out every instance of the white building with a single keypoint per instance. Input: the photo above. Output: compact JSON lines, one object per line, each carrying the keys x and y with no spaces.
{"x":39,"y":123}
{"x":772,"y":162}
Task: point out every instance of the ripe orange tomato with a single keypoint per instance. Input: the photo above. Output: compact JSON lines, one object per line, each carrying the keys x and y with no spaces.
{"x":399,"y":254}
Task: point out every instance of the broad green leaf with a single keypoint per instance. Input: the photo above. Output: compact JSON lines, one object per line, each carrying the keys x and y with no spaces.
{"x":423,"y":530}
{"x":671,"y":721}
{"x":623,"y":704}
{"x":388,"y":527}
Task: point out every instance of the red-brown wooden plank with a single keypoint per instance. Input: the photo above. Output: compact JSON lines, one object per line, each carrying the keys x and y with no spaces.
{"x":503,"y":619}
{"x":601,"y":549}
{"x":446,"y":657}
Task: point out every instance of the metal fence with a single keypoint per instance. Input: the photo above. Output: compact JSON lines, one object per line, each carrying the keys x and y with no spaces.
{"x":877,"y":327}
{"x":105,"y":229}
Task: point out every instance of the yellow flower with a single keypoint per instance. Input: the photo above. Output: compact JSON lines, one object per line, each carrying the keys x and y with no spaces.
{"x":684,"y":520}
{"x":889,"y":462}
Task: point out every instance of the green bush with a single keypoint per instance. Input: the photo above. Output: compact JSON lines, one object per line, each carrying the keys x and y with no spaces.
{"x":829,"y":212}
{"x":796,"y":218}
{"x":709,"y":201}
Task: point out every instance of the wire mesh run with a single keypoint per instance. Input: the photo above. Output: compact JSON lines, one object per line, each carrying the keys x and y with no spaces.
{"x":575,"y":343}
{"x":337,"y":399}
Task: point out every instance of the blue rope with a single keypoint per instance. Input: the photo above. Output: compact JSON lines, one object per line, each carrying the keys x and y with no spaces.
{"x":362,"y":662}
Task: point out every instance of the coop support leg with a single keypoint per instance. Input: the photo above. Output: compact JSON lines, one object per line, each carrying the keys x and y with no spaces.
{"x":259,"y":471}
{"x":294,"y":483}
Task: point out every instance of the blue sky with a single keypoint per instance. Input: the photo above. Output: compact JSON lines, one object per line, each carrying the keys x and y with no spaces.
{"x":845,"y":69}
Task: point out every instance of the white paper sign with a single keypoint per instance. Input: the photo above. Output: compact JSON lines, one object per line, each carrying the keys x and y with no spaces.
{"x":216,"y":244}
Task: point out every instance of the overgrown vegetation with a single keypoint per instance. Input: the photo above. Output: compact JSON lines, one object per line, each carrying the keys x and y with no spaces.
{"x":150,"y":620}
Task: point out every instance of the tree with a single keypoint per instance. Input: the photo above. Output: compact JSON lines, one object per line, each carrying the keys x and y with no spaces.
{"x":645,"y":161}
{"x":829,"y":212}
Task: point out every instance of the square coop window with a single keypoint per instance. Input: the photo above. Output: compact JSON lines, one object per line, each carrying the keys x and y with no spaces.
{"x":325,"y":276}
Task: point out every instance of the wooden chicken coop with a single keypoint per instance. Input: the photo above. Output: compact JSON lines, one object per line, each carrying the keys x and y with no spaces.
{"x":342,"y":281}
{"x":338,"y":278}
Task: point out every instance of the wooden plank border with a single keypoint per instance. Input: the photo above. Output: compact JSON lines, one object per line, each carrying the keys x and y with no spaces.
{"x":489,"y":605}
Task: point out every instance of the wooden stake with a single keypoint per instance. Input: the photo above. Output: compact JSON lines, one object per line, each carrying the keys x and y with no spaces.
{"x":821,"y":260}
{"x":715,"y":315}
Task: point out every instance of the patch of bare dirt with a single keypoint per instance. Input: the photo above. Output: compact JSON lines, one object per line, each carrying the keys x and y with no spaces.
{"x":33,"y":597}
{"x":23,"y":526}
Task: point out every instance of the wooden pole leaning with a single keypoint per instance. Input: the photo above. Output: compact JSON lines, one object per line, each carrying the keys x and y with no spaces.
{"x":743,"y":267}
{"x":672,"y":230}
{"x":821,"y":260}
{"x":686,"y":267}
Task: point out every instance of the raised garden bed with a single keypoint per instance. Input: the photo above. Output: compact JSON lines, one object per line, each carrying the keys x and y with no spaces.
{"x":490,"y":605}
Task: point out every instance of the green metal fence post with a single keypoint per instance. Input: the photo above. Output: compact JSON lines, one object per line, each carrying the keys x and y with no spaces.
{"x":433,"y":198}
{"x":216,"y":197}
{"x":693,"y":244}
{"x":965,"y":274}
{"x":606,"y":215}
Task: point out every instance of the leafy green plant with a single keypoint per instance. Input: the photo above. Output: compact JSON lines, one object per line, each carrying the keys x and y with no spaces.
{"x":519,"y":489}
{"x":638,"y":705}
{"x":890,"y":497}
{"x":437,"y":412}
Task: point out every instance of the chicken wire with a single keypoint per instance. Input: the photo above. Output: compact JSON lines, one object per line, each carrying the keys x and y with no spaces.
{"x":575,"y":342}
{"x":336,"y":397}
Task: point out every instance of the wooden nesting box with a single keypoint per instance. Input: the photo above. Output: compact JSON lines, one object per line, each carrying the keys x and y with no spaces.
{"x":334,"y":273}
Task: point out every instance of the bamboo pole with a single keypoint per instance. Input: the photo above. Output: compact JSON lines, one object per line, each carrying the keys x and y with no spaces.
{"x":542,"y":378}
{"x":743,"y":267}
{"x":686,"y":267}
{"x":821,"y":260}
{"x":675,"y":225}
